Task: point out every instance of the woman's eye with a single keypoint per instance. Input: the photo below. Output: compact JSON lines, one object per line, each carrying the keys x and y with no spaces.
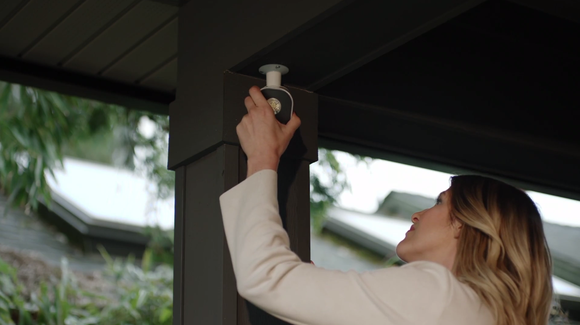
{"x":438,"y":201}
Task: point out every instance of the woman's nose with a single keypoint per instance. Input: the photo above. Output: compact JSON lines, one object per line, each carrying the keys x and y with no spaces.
{"x":415,"y":217}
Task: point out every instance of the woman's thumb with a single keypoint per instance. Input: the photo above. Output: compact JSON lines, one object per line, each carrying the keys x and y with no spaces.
{"x":293,"y":124}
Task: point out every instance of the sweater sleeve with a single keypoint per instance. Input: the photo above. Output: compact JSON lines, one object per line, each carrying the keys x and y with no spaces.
{"x":273,"y":278}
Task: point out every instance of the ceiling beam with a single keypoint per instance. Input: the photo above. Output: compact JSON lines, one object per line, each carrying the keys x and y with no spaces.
{"x":422,"y":27}
{"x":449,"y":146}
{"x":350,"y":38}
{"x":567,"y":9}
{"x":75,"y":84}
{"x":175,"y":3}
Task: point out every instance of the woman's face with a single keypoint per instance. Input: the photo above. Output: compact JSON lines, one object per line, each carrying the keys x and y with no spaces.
{"x":433,"y":237}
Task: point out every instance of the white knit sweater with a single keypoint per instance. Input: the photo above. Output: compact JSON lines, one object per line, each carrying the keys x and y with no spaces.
{"x":272,"y":277}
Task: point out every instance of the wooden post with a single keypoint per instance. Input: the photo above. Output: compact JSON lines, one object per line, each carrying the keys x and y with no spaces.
{"x":204,"y":150}
{"x":204,"y":290}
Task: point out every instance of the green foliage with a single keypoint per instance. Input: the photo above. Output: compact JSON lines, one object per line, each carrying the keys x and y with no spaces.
{"x":140,"y":297}
{"x":8,"y":290}
{"x":154,"y":148}
{"x":37,"y":128}
{"x":51,"y":306}
{"x":159,"y":249}
{"x":34,"y":125}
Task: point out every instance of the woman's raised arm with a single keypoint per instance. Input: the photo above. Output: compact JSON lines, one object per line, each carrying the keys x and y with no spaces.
{"x":272,"y":277}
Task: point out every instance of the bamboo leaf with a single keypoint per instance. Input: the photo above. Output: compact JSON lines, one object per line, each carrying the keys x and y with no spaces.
{"x":12,"y":196}
{"x":19,"y":136}
{"x":166,"y":315}
{"x":38,"y":171}
{"x":4,"y":96}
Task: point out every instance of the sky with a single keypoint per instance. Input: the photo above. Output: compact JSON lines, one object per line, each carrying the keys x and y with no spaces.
{"x":370,"y":184}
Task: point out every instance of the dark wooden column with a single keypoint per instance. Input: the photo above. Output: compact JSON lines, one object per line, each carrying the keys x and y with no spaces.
{"x":205,"y":153}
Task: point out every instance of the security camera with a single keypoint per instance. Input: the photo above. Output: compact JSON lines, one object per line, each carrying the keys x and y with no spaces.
{"x":278,"y":97}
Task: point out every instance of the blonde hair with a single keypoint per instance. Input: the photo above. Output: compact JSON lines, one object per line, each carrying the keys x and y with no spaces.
{"x":502,"y":251}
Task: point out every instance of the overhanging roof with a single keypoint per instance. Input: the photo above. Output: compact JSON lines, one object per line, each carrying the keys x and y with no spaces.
{"x":485,"y":87}
{"x":455,"y":85}
{"x":122,"y":51}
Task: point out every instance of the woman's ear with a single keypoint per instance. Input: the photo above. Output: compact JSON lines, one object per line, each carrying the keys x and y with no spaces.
{"x":457,"y":226}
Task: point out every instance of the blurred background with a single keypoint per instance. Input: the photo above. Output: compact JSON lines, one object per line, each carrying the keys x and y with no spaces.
{"x":87,"y":210}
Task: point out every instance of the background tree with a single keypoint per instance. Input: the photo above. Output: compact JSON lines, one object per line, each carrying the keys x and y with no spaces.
{"x":38,"y":127}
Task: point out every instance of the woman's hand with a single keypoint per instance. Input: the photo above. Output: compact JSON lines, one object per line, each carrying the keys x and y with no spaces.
{"x":262,"y":137}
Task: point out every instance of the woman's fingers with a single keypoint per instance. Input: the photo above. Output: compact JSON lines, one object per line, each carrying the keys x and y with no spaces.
{"x":249,"y":102}
{"x":240,"y":127}
{"x":261,"y":135}
{"x":258,"y":97}
{"x":293,"y":124}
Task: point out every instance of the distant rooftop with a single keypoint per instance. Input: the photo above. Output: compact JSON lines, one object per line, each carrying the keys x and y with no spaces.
{"x":93,"y":204}
{"x":111,"y":194}
{"x":27,"y":232}
{"x":403,"y":205}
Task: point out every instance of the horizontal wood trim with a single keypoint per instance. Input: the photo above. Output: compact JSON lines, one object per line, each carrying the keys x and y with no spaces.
{"x":447,"y":146}
{"x":75,"y":84}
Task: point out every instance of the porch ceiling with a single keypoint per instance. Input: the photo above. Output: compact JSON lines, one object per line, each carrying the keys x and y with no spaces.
{"x":489,"y":87}
{"x":453,"y":82}
{"x":130,"y":45}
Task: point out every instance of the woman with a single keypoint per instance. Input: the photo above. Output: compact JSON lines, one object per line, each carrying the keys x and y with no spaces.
{"x":477,"y":257}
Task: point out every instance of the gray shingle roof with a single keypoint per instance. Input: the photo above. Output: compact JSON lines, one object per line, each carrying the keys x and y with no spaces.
{"x":28,"y":232}
{"x":329,"y":255}
{"x":403,"y":205}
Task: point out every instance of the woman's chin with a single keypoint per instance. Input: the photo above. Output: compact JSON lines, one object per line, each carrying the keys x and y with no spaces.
{"x":400,"y":250}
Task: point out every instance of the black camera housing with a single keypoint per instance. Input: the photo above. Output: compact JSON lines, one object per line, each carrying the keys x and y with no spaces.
{"x":285,"y":100}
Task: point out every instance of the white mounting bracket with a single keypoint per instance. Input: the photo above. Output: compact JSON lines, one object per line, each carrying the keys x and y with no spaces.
{"x":273,"y":74}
